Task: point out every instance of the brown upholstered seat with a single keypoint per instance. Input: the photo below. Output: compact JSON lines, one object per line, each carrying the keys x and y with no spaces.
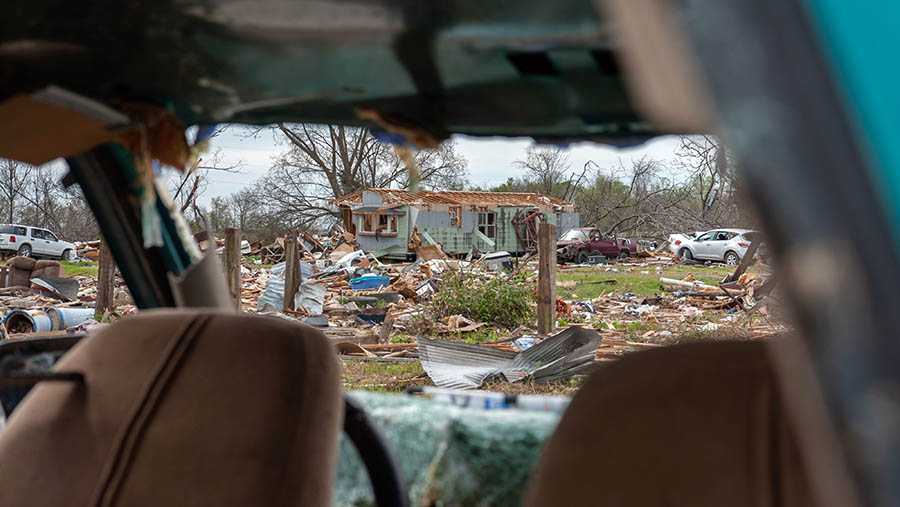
{"x":47,"y":267}
{"x":23,"y":269}
{"x":695,"y":425}
{"x":181,"y":408}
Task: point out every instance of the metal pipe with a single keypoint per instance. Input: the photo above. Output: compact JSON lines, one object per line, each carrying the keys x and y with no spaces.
{"x":27,"y":321}
{"x":64,"y":318}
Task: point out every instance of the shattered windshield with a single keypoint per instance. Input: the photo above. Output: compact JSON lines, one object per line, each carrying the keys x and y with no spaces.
{"x":574,"y":235}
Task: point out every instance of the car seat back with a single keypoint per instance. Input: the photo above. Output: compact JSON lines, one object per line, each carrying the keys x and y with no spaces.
{"x":192,"y":408}
{"x":699,"y":425}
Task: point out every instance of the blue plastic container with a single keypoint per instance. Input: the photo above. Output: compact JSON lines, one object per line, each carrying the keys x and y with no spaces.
{"x":369,"y":282}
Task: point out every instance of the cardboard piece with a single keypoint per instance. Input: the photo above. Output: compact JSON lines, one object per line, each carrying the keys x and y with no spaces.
{"x":430,"y":252}
{"x":52,"y":123}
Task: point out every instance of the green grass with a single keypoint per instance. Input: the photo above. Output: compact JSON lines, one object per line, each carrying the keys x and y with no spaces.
{"x":248,"y":261}
{"x":378,"y":376}
{"x":80,"y":268}
{"x":482,"y":334}
{"x":591,"y":281}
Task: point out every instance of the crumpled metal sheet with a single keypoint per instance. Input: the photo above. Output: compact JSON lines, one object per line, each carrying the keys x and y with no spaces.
{"x":554,"y":354}
{"x":457,"y":365}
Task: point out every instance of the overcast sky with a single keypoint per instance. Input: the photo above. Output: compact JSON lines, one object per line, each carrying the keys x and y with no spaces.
{"x":490,"y":159}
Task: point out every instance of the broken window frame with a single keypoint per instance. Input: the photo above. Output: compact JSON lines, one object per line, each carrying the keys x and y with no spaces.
{"x":387,"y":224}
{"x":456,"y":216}
{"x":487,"y":223}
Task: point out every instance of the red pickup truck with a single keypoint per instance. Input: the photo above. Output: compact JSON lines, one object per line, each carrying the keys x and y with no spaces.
{"x":576,"y":245}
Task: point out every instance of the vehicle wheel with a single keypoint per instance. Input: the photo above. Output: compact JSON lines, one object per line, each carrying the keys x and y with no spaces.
{"x":685,"y":254}
{"x":582,"y":257}
{"x":67,"y":255}
{"x":596,"y":253}
{"x":732,"y":258}
{"x":25,"y":251}
{"x":624,"y":254}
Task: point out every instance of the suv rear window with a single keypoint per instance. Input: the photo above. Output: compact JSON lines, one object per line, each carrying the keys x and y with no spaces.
{"x":12,"y":229}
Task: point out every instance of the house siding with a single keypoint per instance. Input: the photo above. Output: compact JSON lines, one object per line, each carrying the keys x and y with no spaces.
{"x":433,"y":217}
{"x":460,"y":240}
{"x":397,"y":243}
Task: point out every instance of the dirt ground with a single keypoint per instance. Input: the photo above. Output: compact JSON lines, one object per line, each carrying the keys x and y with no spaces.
{"x":359,"y":375}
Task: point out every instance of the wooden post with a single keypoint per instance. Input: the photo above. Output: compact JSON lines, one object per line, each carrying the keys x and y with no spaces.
{"x":746,"y":261}
{"x":384,"y":334}
{"x":546,"y":303}
{"x":233,"y":264}
{"x":106,"y":278}
{"x":291,"y":270}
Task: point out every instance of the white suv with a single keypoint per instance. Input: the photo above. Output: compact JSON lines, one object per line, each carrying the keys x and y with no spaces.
{"x":33,"y":242}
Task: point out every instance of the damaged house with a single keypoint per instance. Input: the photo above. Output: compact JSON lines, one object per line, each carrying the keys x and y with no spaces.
{"x":393,"y":223}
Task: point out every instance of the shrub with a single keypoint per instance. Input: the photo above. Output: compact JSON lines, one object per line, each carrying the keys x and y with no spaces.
{"x":496,"y":301}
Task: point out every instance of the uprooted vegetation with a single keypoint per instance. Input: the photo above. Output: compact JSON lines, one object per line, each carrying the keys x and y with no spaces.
{"x":496,"y":301}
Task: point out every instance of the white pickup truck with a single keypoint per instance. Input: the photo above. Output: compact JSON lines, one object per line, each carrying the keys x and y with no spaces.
{"x":30,"y":241}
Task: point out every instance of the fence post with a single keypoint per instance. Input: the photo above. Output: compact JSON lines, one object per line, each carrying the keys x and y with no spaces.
{"x":291,"y":270}
{"x":546,"y":304}
{"x":106,"y":277}
{"x":233,"y":264}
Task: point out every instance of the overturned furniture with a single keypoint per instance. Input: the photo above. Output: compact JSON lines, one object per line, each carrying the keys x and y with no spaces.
{"x":20,"y":270}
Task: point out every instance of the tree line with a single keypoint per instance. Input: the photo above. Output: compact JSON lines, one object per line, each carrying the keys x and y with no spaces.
{"x":34,"y":196}
{"x":699,"y":189}
{"x":647,"y":198}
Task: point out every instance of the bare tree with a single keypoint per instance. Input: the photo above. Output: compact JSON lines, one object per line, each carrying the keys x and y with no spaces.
{"x":13,"y":178}
{"x":44,"y":199}
{"x":187,"y":187}
{"x":34,"y":196}
{"x":325,"y":162}
{"x":244,"y":206}
{"x":713,"y":179}
{"x":546,"y":166}
{"x":634,"y":199}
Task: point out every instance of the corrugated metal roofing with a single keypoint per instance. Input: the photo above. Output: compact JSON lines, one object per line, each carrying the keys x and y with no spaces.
{"x":553,"y":349}
{"x":460,"y":365}
{"x":454,"y":197}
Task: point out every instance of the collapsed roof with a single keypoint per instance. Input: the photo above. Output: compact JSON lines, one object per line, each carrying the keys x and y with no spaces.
{"x":391,"y":196}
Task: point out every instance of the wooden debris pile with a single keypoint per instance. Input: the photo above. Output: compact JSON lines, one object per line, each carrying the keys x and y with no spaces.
{"x":365,"y":322}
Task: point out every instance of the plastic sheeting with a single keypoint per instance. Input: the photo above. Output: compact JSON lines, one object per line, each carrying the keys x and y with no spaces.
{"x":448,"y":455}
{"x":272,"y":298}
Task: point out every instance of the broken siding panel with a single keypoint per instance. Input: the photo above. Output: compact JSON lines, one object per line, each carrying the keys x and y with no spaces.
{"x":469,"y":221}
{"x":460,"y":240}
{"x":403,"y":228}
{"x":373,"y":243}
{"x":451,"y":239}
{"x":506,"y":232}
{"x":371,"y":199}
{"x":433,"y":219}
